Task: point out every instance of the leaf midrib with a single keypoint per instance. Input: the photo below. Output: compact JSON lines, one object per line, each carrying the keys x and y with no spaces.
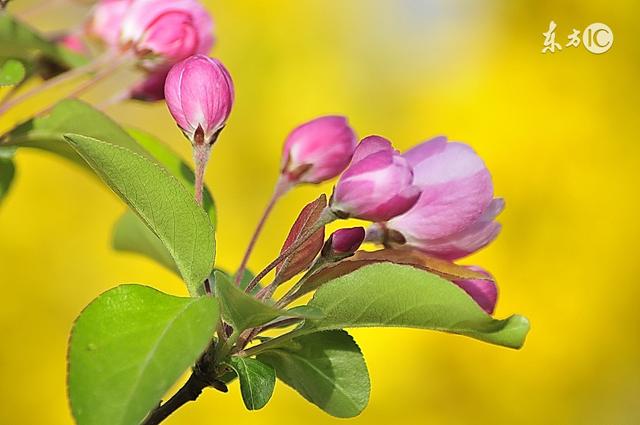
{"x":249,"y":382}
{"x":149,"y":356}
{"x":321,"y":373}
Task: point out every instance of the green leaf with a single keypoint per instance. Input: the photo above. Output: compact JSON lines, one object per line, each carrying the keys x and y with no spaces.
{"x":390,"y":295}
{"x":129,"y":233}
{"x":240,"y":309}
{"x":127,"y":349}
{"x":74,"y":116}
{"x":12,"y":72}
{"x":326,"y":368}
{"x":69,"y":116}
{"x":7,"y":173}
{"x":307,"y":312}
{"x":179,"y":168}
{"x":257,"y":381}
{"x":247,"y":277}
{"x":160,"y":201}
{"x":20,"y":41}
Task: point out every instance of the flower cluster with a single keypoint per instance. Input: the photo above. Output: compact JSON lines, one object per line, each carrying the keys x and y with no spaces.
{"x":437,"y":197}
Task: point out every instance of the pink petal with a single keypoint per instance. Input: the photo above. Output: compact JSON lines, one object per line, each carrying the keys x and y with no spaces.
{"x":456,"y":189}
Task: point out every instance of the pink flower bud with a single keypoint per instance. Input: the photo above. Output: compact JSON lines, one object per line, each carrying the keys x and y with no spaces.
{"x":318,"y":150}
{"x":484,"y":292}
{"x":170,"y":31}
{"x":347,"y":241}
{"x":152,"y":88}
{"x":73,"y":43}
{"x":106,"y":21}
{"x":454,"y":215}
{"x":199,"y":94}
{"x":370,"y":145}
{"x":376,"y":187}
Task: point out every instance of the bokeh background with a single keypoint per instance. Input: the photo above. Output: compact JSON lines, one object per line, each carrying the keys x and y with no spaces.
{"x":559,"y":132}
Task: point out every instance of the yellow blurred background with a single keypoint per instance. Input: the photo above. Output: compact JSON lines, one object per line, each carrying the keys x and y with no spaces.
{"x":558,"y":131}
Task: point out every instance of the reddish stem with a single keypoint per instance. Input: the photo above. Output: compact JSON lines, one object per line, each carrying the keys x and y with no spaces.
{"x":282,"y":186}
{"x":327,"y":216}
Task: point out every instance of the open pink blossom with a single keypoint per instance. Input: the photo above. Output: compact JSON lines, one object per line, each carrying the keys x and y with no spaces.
{"x":469,"y":240}
{"x":377,"y":186}
{"x":318,"y":150}
{"x":106,"y":21}
{"x":199,"y":93}
{"x":484,"y":292}
{"x":170,"y":31}
{"x":456,"y":210}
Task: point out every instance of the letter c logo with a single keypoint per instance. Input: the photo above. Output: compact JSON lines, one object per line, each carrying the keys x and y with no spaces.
{"x":597,"y":38}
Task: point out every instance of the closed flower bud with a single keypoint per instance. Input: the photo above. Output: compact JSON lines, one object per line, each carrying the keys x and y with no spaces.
{"x":377,"y":186}
{"x":484,"y":292}
{"x":343,"y":243}
{"x":152,"y":88}
{"x":199,"y":93}
{"x":318,"y":150}
{"x":167,"y":31}
{"x":456,"y":210}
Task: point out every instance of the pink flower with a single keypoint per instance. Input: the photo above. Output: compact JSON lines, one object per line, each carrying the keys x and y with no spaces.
{"x":370,"y":145}
{"x":73,"y":43}
{"x":199,"y":93}
{"x":484,"y":292}
{"x":469,"y":240}
{"x":171,"y":30}
{"x":456,"y":210}
{"x":318,"y":150}
{"x":152,"y":88}
{"x":377,"y":186}
{"x":106,"y":21}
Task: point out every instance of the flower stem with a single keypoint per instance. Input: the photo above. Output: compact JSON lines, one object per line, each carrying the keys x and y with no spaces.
{"x":291,"y":294}
{"x":326,"y":217}
{"x":272,"y":343}
{"x":282,"y":187}
{"x":60,"y":79}
{"x":201,"y":154}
